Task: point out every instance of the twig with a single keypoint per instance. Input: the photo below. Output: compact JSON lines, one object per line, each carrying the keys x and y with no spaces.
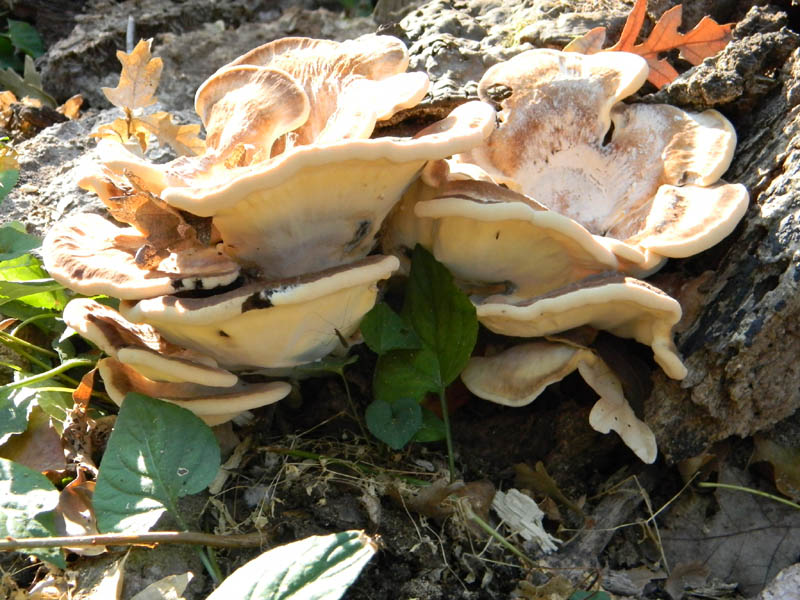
{"x":192,"y":538}
{"x":740,"y":488}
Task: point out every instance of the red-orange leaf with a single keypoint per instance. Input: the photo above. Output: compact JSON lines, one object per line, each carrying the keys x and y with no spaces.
{"x":706,"y":39}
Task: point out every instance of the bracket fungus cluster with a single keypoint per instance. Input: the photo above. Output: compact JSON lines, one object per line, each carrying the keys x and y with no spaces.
{"x":548,"y":199}
{"x":253,"y":254}
{"x":551,"y":222}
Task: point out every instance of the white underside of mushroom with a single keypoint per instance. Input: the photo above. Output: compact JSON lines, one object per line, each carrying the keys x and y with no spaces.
{"x":517,"y":376}
{"x":214,"y":405}
{"x":278,"y":324}
{"x":623,"y":306}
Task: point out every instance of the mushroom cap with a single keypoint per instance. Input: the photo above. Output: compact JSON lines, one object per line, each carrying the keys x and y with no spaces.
{"x":350,"y":85}
{"x":91,"y":255}
{"x":341,"y":193}
{"x":214,"y":405}
{"x":270,"y":324}
{"x":487,"y":234}
{"x":624,"y":306}
{"x":249,"y":105}
{"x":567,"y":141}
{"x":141,"y":347}
{"x":516,"y":377}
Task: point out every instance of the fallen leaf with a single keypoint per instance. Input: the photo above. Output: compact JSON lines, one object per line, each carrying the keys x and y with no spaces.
{"x":170,"y":587}
{"x":182,"y":139}
{"x":683,"y":576}
{"x":742,"y":538}
{"x":785,"y":463}
{"x":541,"y":482}
{"x":706,"y":39}
{"x":39,"y":447}
{"x":71,"y":108}
{"x":74,"y":514}
{"x":138,"y":80}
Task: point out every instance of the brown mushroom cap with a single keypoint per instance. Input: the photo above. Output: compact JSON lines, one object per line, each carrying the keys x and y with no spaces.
{"x":212,"y":404}
{"x":270,"y":324}
{"x":142,"y":347}
{"x":620,"y":305}
{"x":91,"y":255}
{"x":516,"y":377}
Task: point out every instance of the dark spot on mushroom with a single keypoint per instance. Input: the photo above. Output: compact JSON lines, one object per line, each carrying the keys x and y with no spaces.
{"x":497,"y":235}
{"x":177,"y":284}
{"x":198,"y":284}
{"x":258,"y":301}
{"x":609,"y":135}
{"x":497,"y":93}
{"x":223,"y":334}
{"x":362,"y":229}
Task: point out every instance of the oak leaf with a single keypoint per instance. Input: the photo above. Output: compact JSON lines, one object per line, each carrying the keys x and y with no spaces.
{"x":181,"y":138}
{"x":138,"y":80}
{"x":706,"y":39}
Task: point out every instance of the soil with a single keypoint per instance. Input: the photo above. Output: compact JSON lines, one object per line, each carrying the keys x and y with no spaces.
{"x":306,"y":466}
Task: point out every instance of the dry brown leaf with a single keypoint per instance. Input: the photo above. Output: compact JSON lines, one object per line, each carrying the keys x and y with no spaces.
{"x":39,"y":447}
{"x":181,"y":138}
{"x":74,"y":514}
{"x":706,"y":39}
{"x":72,"y":107}
{"x":122,"y":131}
{"x":138,"y":80}
{"x":785,"y":463}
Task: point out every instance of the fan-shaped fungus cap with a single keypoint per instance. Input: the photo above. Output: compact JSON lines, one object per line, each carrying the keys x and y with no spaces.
{"x":624,"y":306}
{"x":340,"y":195}
{"x":91,"y":255}
{"x":214,"y":405}
{"x":238,"y":107}
{"x":517,"y":376}
{"x":142,"y":347}
{"x":270,"y":324}
{"x":305,"y":140}
{"x":492,"y":237}
{"x":565,"y":140}
{"x":350,"y":85}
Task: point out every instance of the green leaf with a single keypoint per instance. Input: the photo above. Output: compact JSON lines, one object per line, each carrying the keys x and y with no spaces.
{"x":15,"y":407}
{"x":23,"y":278}
{"x":316,"y":568}
{"x":384,"y":330}
{"x":56,"y":405}
{"x":432,"y":428}
{"x":440,"y":313}
{"x":27,"y":499}
{"x":394,"y":424}
{"x":157,"y":453}
{"x":406,"y":374}
{"x":25,"y":38}
{"x":14,"y":241}
{"x":8,"y":57}
{"x":584,"y":595}
{"x":8,"y":179}
{"x":28,"y":85}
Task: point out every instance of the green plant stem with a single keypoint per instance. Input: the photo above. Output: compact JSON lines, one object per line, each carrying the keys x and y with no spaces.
{"x":10,"y":366}
{"x":448,"y":437}
{"x":492,"y":532}
{"x":740,"y":488}
{"x":65,"y":366}
{"x":206,"y":557}
{"x":192,"y":538}
{"x":10,"y":338}
{"x":362,"y":469}
{"x":32,"y":319}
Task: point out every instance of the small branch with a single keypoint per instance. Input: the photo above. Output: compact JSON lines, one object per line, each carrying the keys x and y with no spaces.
{"x":739,"y":488}
{"x":448,"y":436}
{"x":193,"y":538}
